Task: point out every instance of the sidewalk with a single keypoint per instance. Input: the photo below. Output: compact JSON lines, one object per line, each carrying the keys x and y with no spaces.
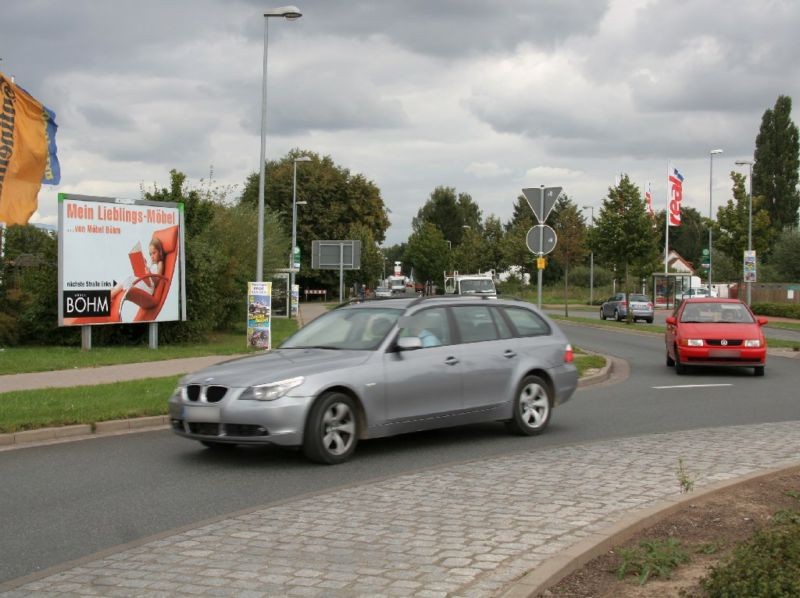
{"x":497,"y":527}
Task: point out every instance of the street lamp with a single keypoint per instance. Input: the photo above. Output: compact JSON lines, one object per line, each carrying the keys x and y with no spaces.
{"x":290,"y":13}
{"x":711,"y":155}
{"x":294,"y":263}
{"x":591,"y":260}
{"x":749,"y":218}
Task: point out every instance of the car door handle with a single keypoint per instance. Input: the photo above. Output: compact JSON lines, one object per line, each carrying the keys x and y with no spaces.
{"x":509,"y":354}
{"x":451,"y":361}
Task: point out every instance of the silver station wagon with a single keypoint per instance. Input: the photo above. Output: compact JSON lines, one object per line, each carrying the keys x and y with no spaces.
{"x":380,"y":368}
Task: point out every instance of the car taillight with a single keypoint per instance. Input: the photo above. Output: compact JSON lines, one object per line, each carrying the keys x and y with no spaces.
{"x":649,"y":305}
{"x":624,"y":304}
{"x":569,"y":356}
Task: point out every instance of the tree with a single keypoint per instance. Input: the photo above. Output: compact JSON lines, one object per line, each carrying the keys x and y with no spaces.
{"x":427,"y":252}
{"x":371,"y":270}
{"x":337,"y":199}
{"x":689,"y":239}
{"x":493,"y":233}
{"x":570,"y":226}
{"x":733,"y":220}
{"x":471,"y":255}
{"x":450,"y":213}
{"x":784,"y":256}
{"x":776,"y":165}
{"x":623,"y":233}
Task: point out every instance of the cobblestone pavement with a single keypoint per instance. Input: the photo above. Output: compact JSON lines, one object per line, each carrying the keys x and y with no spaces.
{"x":471,"y":529}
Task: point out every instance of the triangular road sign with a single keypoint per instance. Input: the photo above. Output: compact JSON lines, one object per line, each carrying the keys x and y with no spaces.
{"x":541,"y":200}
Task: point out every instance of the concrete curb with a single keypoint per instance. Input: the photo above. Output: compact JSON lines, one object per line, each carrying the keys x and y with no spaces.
{"x":552,"y":571}
{"x":81,"y":431}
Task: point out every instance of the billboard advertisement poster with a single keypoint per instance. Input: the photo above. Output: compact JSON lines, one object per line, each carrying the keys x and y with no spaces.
{"x":295,"y":299}
{"x":259,"y":313}
{"x":119,"y":261}
{"x":749,"y":266}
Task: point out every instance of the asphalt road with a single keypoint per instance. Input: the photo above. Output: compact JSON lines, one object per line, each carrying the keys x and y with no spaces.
{"x":65,"y":501}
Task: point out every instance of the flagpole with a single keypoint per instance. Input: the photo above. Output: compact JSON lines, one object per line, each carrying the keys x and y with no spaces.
{"x":666,"y":225}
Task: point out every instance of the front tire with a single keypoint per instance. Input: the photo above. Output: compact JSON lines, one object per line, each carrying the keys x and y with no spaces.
{"x":616,"y":316}
{"x":532,"y":407}
{"x":332,"y":429}
{"x":670,"y":361}
{"x":602,"y":314}
{"x":758,"y":370}
{"x":680,"y":369}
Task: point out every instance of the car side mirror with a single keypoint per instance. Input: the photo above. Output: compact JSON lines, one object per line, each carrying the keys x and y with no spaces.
{"x":409,"y":343}
{"x":763,"y":321}
{"x":671,"y":321}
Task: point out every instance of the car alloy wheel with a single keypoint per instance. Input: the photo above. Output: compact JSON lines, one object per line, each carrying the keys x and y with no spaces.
{"x":532,"y":407}
{"x":332,"y":429}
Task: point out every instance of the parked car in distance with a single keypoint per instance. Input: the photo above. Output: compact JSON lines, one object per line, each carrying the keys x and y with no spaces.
{"x":380,"y":368}
{"x":715,"y":332}
{"x":617,"y":307}
{"x":383,"y":292}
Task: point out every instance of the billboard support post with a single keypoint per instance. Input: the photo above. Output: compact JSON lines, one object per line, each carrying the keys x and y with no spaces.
{"x":152,"y":334}
{"x":86,"y":338}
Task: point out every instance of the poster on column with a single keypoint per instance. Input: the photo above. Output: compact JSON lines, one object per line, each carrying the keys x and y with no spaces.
{"x":119,"y":261}
{"x":259,"y":314}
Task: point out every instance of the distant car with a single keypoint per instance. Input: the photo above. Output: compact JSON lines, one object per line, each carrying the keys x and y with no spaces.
{"x":616,"y":307}
{"x":696,"y":292}
{"x":380,"y":368}
{"x":715,"y":332}
{"x":383,"y":292}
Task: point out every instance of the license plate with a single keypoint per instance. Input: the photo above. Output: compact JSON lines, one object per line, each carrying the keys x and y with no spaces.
{"x":201,"y":413}
{"x":729,"y":353}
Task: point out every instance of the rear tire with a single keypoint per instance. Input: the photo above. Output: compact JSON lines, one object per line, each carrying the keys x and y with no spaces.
{"x":533,"y":406}
{"x":332,"y":429}
{"x":758,"y":370}
{"x":616,"y":316}
{"x":602,"y":314}
{"x":649,"y":320}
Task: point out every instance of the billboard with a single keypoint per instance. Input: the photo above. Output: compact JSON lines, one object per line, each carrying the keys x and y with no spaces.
{"x":119,"y":261}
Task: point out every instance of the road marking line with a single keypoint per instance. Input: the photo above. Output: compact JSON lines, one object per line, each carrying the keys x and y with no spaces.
{"x":691,"y":386}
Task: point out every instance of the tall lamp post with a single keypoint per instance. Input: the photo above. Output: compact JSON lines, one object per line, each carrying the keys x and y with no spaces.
{"x":290,"y":13}
{"x":711,"y":155}
{"x":591,"y":260}
{"x":294,"y":261}
{"x":749,"y":218}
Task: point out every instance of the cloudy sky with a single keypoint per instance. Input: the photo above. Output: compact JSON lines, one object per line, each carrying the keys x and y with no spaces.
{"x":487,"y":97}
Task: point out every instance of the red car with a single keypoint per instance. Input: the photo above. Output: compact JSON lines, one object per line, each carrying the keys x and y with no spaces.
{"x":715,"y":332}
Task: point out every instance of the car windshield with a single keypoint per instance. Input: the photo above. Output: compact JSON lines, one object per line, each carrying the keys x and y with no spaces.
{"x":727,"y":313}
{"x":477,"y":285}
{"x":360,"y":329}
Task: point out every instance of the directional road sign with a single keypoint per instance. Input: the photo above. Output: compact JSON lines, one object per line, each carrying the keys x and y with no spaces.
{"x":541,"y":200}
{"x":541,"y":239}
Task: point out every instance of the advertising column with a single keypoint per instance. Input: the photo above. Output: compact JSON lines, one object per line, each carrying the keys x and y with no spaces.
{"x":259,"y":312}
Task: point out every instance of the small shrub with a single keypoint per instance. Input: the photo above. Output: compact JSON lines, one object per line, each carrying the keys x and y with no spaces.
{"x":652,"y":558}
{"x":685,"y":480}
{"x":766,"y":565}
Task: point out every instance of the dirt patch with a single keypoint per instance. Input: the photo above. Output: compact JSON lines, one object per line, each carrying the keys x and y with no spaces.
{"x":708,"y":529}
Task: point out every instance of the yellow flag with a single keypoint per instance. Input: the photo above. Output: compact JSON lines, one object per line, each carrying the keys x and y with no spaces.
{"x":27,"y":138}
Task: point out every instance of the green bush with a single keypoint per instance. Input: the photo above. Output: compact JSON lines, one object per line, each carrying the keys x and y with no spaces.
{"x":767,"y":565}
{"x":779,"y":310}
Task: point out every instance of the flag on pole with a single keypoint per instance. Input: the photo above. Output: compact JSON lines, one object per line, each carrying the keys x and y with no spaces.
{"x":674,"y":196}
{"x":648,"y":198}
{"x":27,"y":152}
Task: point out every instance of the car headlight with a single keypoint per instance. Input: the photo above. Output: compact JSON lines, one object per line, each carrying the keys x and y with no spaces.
{"x":271,"y":391}
{"x":177,"y":393}
{"x":692,"y":342}
{"x":752,"y":343}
